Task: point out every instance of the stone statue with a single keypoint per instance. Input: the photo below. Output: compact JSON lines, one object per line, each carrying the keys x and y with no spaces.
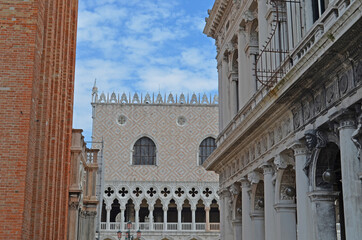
{"x":357,"y":136}
{"x":315,"y":140}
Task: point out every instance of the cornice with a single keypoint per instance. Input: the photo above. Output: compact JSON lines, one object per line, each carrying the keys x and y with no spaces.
{"x":216,"y":17}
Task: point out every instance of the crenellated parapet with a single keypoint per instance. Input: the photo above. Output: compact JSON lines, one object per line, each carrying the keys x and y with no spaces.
{"x":113,"y":98}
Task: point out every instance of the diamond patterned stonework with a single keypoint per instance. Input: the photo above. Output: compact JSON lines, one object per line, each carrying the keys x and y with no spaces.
{"x":177,"y":145}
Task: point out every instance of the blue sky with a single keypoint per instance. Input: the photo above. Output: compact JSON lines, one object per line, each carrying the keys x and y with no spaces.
{"x":141,"y":46}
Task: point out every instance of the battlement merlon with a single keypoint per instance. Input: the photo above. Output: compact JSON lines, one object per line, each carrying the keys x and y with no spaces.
{"x":154,"y":99}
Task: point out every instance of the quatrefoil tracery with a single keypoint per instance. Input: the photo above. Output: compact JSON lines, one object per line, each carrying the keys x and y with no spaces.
{"x":207,"y":192}
{"x":123,"y":192}
{"x":137,"y":192}
{"x":109,"y":191}
{"x":193,"y":192}
{"x":165,"y":192}
{"x":179,"y":192}
{"x":151,"y":192}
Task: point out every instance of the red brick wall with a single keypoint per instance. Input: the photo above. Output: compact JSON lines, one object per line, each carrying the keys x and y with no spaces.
{"x":37,"y":61}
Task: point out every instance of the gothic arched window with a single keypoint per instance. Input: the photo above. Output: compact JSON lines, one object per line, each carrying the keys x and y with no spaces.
{"x":207,"y":146}
{"x":144,"y":152}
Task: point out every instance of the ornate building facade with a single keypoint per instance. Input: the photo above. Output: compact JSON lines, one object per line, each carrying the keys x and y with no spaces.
{"x":37,"y":62}
{"x":289,"y":148}
{"x":152,"y":175}
{"x":82,"y":191}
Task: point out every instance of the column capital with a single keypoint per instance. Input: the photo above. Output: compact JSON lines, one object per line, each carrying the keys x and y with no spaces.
{"x":244,"y":183}
{"x":151,"y":207}
{"x":165,"y":208}
{"x":234,"y":189}
{"x":193,"y":207}
{"x":254,"y":177}
{"x":108,"y":207}
{"x":179,"y":208}
{"x":299,"y":148}
{"x":223,"y":192}
{"x":207,"y":209}
{"x":345,"y":117}
{"x":267,"y":169}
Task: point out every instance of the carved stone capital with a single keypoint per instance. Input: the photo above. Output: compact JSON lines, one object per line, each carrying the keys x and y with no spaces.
{"x":254,"y":177}
{"x":249,"y":16}
{"x":223,"y":192}
{"x":346,"y":118}
{"x":73,"y":205}
{"x":245,"y":183}
{"x":282,"y":160}
{"x":299,"y":148}
{"x":234,"y":189}
{"x":267,"y":169}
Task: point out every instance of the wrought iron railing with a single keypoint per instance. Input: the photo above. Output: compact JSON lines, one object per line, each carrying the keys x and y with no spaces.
{"x":274,"y":61}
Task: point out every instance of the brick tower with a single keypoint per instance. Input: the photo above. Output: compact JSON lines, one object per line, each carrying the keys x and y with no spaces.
{"x":37,"y":61}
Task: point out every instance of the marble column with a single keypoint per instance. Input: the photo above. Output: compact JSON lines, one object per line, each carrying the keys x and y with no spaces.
{"x":286,"y":224}
{"x":207,"y":212}
{"x":351,"y":184}
{"x":73,"y":218}
{"x":269,"y":211}
{"x":228,"y":227}
{"x":193,"y":211}
{"x":302,"y":188}
{"x":137,"y":218}
{"x":324,"y":214}
{"x":257,"y":225}
{"x":165,"y":209}
{"x":108,"y":209}
{"x":179,"y":224}
{"x":237,"y":229}
{"x":245,"y":207}
{"x":123,"y":209}
{"x":221,"y":209}
{"x":150,"y":216}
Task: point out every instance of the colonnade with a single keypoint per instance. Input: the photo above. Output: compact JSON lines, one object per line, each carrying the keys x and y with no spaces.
{"x":131,"y":212}
{"x":317,"y":186}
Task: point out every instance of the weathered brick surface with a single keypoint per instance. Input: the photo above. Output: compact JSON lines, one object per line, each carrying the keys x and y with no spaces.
{"x":37,"y":60}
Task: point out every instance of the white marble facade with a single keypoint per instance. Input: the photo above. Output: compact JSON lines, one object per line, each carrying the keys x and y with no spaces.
{"x":173,"y":197}
{"x":289,"y":148}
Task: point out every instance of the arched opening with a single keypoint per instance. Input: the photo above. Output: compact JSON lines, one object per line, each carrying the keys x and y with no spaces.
{"x":214,"y":212}
{"x":172,"y":215}
{"x":129,"y":214}
{"x":328,"y":178}
{"x":200,"y":212}
{"x":144,"y":215}
{"x":115,"y":210}
{"x":206,"y":147}
{"x":144,"y":152}
{"x":200,"y":216}
{"x":158,"y":212}
{"x":104,"y":212}
{"x":186,"y":215}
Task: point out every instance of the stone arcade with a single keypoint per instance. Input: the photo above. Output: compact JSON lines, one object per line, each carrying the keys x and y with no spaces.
{"x":289,"y":148}
{"x":153,"y":150}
